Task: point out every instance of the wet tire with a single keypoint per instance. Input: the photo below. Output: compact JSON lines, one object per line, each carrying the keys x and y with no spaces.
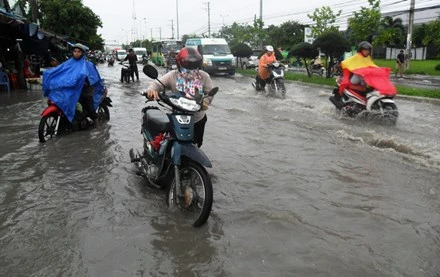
{"x":46,"y":129}
{"x":196,"y":203}
{"x":103,"y":113}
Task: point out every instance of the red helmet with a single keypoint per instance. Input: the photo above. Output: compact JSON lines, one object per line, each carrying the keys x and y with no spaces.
{"x":189,"y":58}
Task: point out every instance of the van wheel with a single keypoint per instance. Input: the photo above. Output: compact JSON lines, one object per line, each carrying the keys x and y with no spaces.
{"x":231,"y":73}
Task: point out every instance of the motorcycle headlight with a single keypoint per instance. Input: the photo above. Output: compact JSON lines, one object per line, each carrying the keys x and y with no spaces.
{"x":207,"y":62}
{"x":186,"y":104}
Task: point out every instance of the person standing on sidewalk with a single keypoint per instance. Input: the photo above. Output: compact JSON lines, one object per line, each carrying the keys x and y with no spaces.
{"x":400,"y":63}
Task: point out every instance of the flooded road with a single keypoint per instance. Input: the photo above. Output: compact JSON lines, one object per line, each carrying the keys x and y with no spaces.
{"x":297,"y":191}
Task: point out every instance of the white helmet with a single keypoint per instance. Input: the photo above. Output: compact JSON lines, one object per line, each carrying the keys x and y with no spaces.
{"x":269,"y":48}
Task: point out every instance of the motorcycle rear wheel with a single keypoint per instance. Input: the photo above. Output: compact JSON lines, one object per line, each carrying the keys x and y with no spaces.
{"x":196,"y":203}
{"x":46,"y":129}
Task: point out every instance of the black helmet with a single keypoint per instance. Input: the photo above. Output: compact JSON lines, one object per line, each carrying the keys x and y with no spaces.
{"x":189,"y":58}
{"x":81,"y":47}
{"x":364,"y":45}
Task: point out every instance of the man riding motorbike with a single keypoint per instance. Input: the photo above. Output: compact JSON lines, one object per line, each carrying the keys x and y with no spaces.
{"x":76,"y":80}
{"x":189,"y":80}
{"x":263,"y":74}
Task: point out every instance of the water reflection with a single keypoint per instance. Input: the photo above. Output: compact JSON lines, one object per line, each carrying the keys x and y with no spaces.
{"x":181,"y":250}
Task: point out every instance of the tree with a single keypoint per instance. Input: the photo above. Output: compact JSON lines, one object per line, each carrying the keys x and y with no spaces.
{"x":243,"y":33}
{"x":324,"y":19}
{"x":69,"y":18}
{"x":391,"y":32}
{"x":241,"y":50}
{"x":305,"y":51}
{"x":286,"y":35}
{"x":433,"y":29}
{"x":365,"y":22}
{"x":332,"y":45}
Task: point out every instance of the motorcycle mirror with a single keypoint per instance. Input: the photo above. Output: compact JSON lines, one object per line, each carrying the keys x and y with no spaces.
{"x":150,"y":71}
{"x":213,"y":91}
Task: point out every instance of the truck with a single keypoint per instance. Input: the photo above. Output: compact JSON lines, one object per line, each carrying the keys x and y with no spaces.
{"x":217,"y":57}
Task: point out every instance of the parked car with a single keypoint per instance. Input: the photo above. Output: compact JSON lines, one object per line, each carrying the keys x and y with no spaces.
{"x":252,"y":61}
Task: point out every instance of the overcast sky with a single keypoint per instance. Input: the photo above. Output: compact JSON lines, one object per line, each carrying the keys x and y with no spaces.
{"x":155,"y":17}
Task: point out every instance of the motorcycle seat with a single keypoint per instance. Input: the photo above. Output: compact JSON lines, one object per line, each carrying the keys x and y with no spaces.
{"x":155,"y":121}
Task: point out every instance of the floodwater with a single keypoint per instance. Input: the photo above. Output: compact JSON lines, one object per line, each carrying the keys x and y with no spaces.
{"x":297,"y":191}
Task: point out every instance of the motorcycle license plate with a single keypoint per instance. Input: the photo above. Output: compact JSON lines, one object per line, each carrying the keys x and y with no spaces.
{"x":222,"y":68}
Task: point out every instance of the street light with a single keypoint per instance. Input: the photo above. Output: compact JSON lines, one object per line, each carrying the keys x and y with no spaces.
{"x":223,"y":18}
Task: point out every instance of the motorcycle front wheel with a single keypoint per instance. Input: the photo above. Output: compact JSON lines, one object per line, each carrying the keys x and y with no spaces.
{"x":103,"y":113}
{"x":46,"y":129}
{"x":197,"y":196}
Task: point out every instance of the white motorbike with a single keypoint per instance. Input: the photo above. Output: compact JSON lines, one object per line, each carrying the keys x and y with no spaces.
{"x":275,"y":85}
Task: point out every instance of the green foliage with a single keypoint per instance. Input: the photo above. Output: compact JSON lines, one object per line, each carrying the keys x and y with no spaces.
{"x":72,"y":19}
{"x":304,"y":50}
{"x":286,"y":35}
{"x":324,"y":19}
{"x":332,"y":44}
{"x":437,"y":67}
{"x":365,"y":23}
{"x":432,"y":34}
{"x":243,"y":33}
{"x":420,"y":32}
{"x":241,"y":50}
{"x":391,"y":32}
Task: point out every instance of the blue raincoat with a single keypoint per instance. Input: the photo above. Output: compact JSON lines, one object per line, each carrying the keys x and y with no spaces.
{"x":63,"y":84}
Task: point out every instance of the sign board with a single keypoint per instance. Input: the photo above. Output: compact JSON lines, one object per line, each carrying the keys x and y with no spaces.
{"x":308,"y":37}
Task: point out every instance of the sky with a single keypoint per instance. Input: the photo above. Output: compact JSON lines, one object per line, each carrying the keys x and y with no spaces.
{"x":146,"y":19}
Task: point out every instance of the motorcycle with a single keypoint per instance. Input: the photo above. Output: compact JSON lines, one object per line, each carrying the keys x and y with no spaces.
{"x":144,"y":60}
{"x":126,"y":73}
{"x":54,"y":122}
{"x":317,"y":69}
{"x":377,"y":102}
{"x":171,"y":65}
{"x":275,"y":85}
{"x":110,"y":61}
{"x":170,"y":160}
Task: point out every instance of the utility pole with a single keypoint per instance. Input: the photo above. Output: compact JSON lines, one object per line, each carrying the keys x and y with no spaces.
{"x":177,"y":18}
{"x":209,"y":19}
{"x":261,"y":20}
{"x":160,"y":33}
{"x":410,"y":31}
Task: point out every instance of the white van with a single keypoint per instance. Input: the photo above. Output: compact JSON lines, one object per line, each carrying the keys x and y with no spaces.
{"x":216,"y":54}
{"x":120,"y":54}
{"x":140,"y":51}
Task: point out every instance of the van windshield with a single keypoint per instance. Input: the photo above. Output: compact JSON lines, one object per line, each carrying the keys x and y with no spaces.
{"x":122,"y":52}
{"x":140,"y":52}
{"x":216,"y":49}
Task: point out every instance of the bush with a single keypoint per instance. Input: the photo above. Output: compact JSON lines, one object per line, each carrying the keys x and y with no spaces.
{"x":437,"y":67}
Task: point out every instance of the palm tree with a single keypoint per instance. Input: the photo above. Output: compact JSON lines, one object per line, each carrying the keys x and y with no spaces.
{"x":392,"y":30}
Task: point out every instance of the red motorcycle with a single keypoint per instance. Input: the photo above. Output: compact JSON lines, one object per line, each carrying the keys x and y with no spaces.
{"x":54,"y":122}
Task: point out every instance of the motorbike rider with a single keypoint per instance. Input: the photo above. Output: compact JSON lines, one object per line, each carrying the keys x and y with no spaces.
{"x":360,"y":60}
{"x":75,"y":80}
{"x":263,"y":74}
{"x":132,"y":60}
{"x":86,"y":97}
{"x":188,"y":78}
